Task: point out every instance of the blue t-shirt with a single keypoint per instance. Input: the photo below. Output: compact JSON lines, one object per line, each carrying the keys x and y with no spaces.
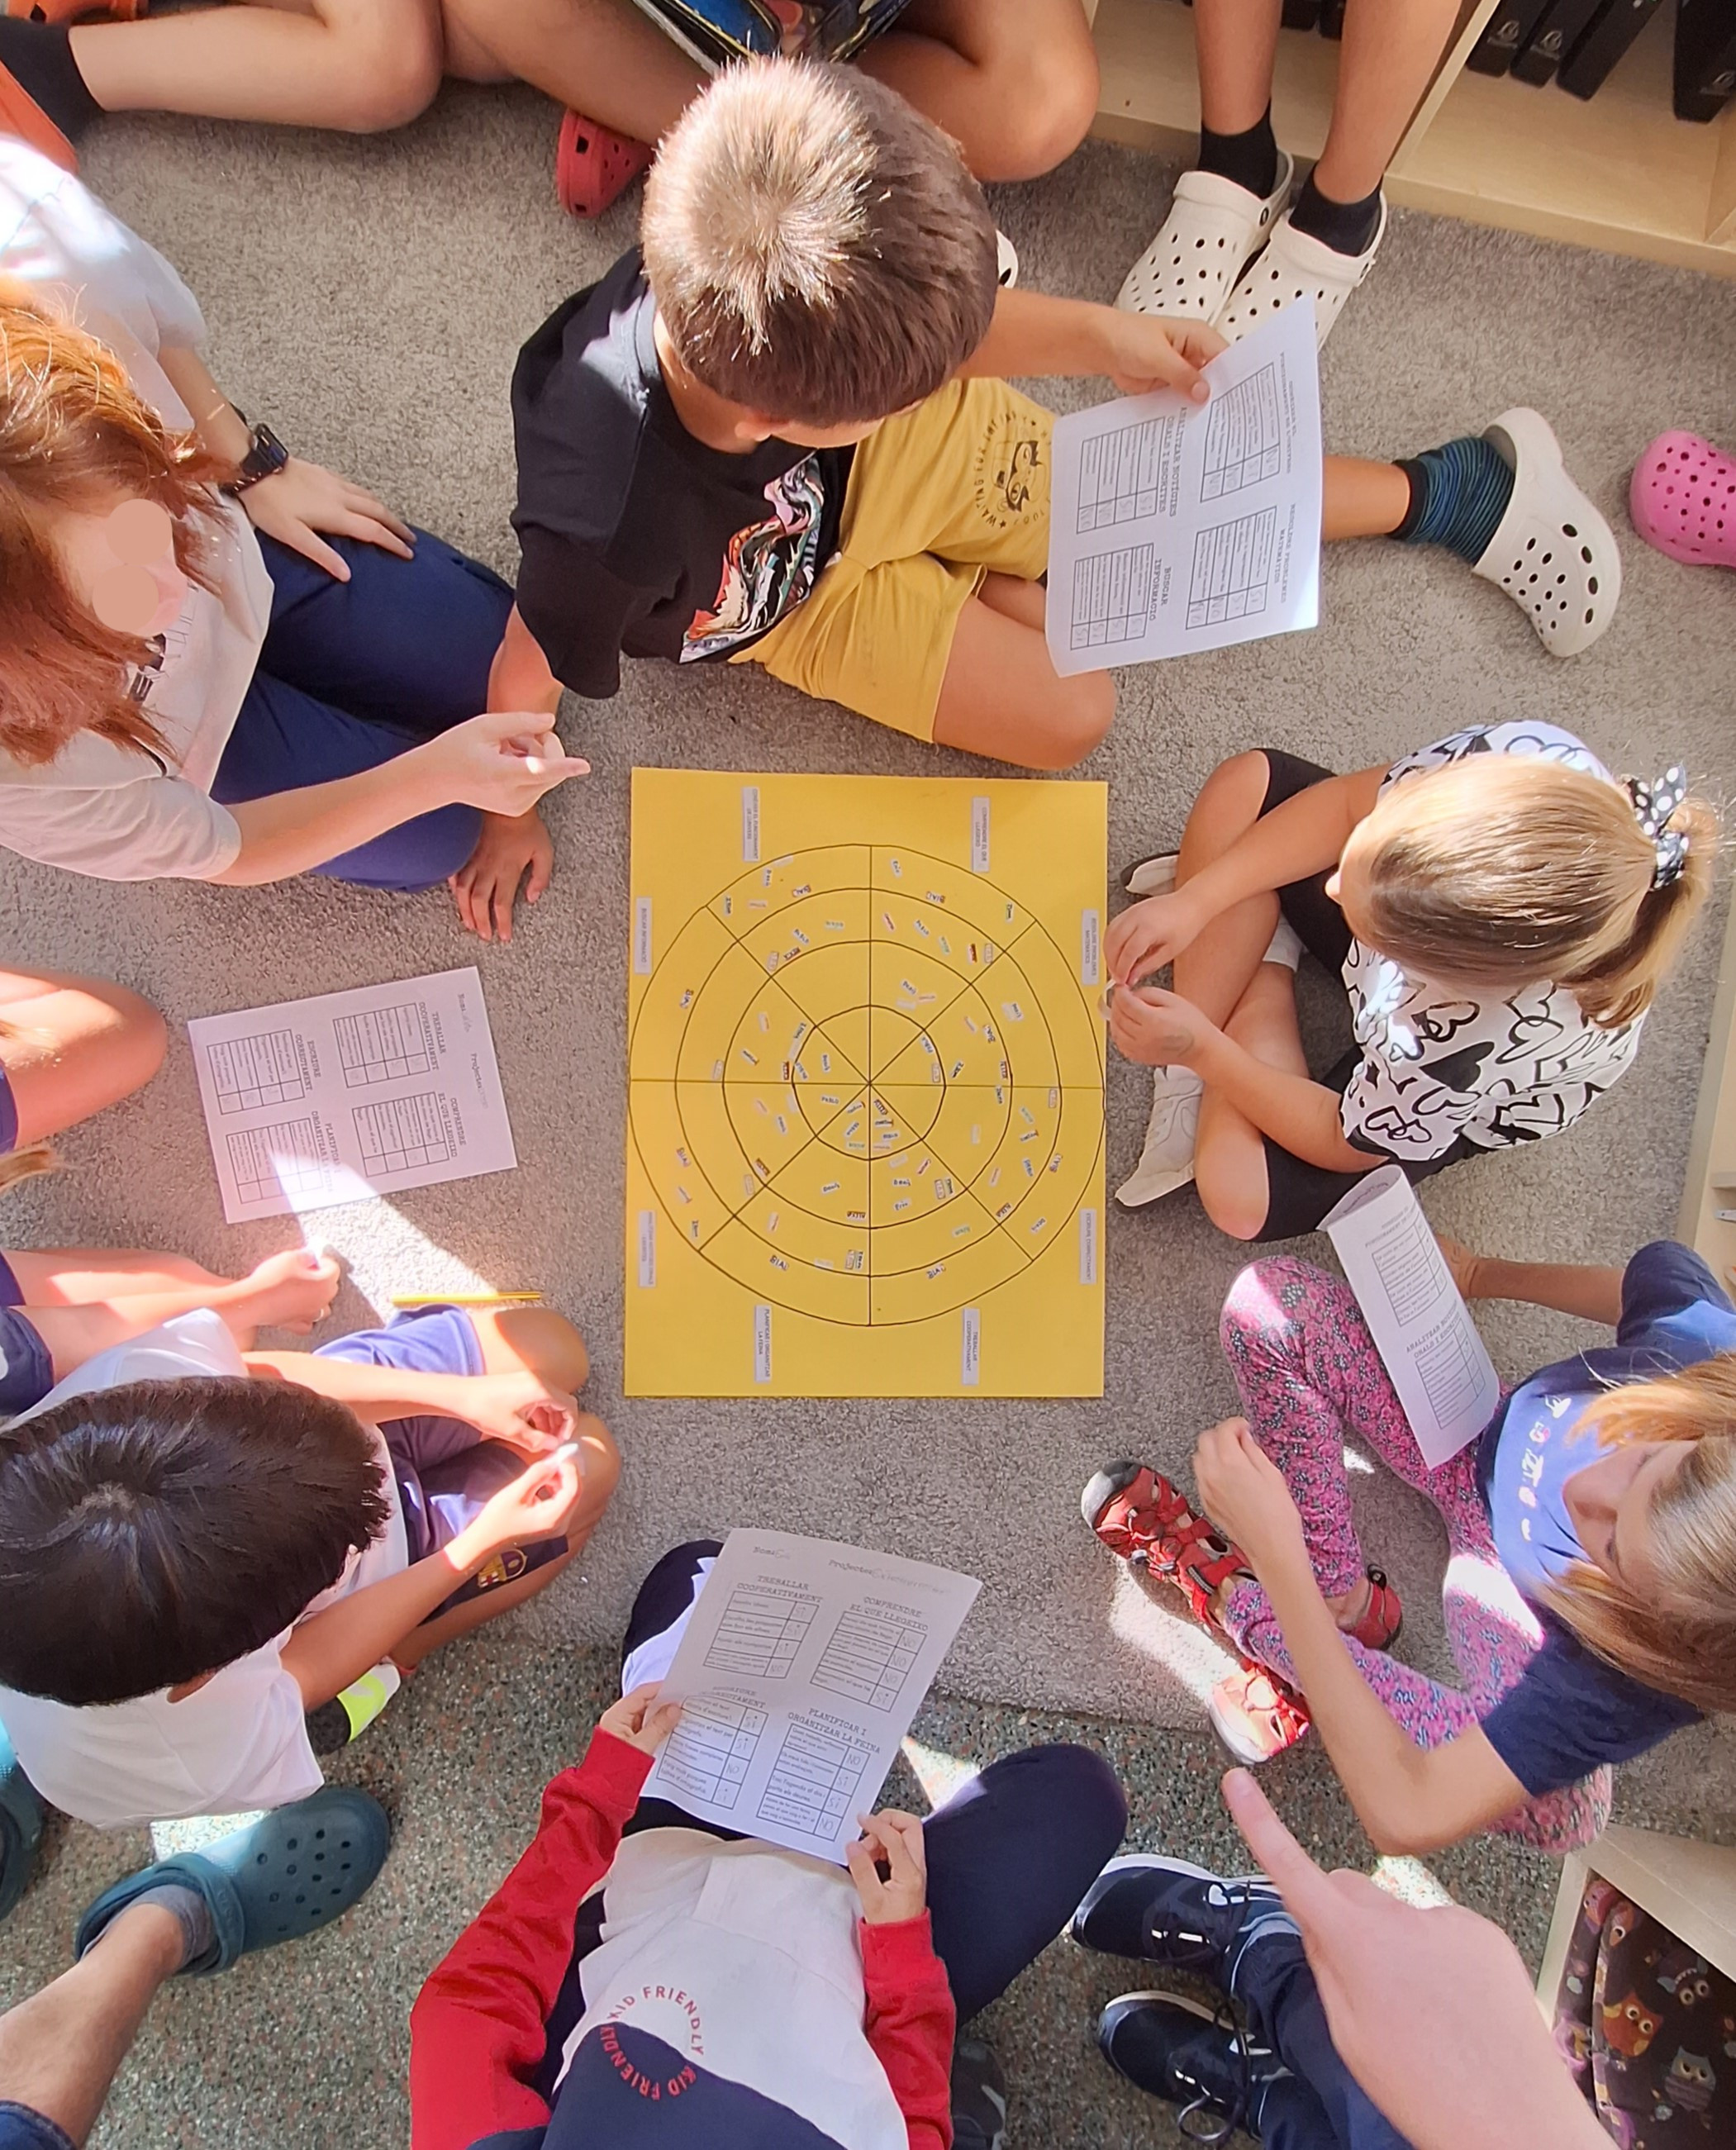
{"x":1571,"y":1710}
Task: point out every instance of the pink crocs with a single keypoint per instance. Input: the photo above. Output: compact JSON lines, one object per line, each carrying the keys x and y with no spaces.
{"x":1682,"y":499}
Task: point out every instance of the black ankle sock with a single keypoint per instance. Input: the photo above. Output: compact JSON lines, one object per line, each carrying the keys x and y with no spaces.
{"x":1249,"y":159}
{"x":39,"y":57}
{"x":1346,"y":227}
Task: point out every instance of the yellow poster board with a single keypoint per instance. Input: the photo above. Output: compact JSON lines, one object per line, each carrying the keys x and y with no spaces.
{"x":865,"y":1148}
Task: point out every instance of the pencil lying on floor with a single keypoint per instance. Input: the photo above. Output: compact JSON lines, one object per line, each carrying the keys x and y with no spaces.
{"x":464,"y":1298}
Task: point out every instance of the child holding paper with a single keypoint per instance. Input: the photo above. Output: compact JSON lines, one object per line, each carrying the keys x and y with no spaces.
{"x":641,"y":1975}
{"x":1502,"y":911}
{"x":214,"y":1564}
{"x":1591,"y":1585}
{"x":780,"y":432}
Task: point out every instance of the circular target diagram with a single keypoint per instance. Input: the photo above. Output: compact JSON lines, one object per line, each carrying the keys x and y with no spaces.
{"x":865,"y":1084}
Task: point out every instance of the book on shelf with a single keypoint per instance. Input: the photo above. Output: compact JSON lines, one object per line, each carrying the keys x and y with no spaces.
{"x":715,"y":31}
{"x":1505,"y":36}
{"x":1609,"y":34}
{"x":1705,"y":58}
{"x":1560,"y":28}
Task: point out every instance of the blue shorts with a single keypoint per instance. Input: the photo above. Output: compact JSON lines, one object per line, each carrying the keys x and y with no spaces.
{"x":21,"y":2129}
{"x":446,"y":1472}
{"x":27,"y":1372}
{"x":8,"y":1114}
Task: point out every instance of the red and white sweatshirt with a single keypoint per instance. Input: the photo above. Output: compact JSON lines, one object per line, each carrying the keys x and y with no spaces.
{"x":674,"y":1991}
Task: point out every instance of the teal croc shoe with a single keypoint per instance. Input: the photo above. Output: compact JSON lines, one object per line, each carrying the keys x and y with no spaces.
{"x":21,"y":1826}
{"x":286,"y":1874}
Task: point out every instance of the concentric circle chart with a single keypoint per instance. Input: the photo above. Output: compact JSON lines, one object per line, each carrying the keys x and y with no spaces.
{"x":865,"y":1088}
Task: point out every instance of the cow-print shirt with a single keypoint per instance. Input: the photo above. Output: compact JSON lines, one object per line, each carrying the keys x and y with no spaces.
{"x":1499,"y":1069}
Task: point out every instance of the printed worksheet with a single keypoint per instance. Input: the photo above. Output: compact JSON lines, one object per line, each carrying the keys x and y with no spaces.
{"x":801,"y":1667}
{"x":347,"y":1095}
{"x":1177,"y":526}
{"x":1422,"y":1329}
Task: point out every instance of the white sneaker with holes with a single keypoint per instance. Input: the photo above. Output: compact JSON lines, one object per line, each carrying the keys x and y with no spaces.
{"x":1296,"y":266}
{"x":1552,"y":553}
{"x":1167,"y":1161}
{"x":1213,"y":228}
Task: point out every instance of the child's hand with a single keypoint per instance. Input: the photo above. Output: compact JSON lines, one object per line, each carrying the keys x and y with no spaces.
{"x":640,"y":1719}
{"x":1145,"y":352}
{"x":1156,"y":1028}
{"x":1147,"y":935}
{"x":501,"y":762}
{"x":896,"y":1839}
{"x":519,"y":1410}
{"x":539,"y":1504}
{"x":508,"y":852}
{"x":1244,"y":1493}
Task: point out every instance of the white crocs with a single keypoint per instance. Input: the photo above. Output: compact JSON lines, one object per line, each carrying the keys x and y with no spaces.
{"x":1552,"y":553}
{"x":1152,"y":876}
{"x":1293,"y":266}
{"x":1213,"y":228}
{"x":1166,"y":1160}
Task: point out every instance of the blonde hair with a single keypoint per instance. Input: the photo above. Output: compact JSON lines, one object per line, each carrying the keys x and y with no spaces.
{"x":817,"y":250}
{"x":1505,"y":870}
{"x":1680,"y":1636}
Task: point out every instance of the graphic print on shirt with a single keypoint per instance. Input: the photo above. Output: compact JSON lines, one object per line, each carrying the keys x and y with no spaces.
{"x":768,"y":569}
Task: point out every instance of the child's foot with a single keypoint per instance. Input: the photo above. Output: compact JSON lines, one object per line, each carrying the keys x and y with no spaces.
{"x":979,"y":2096}
{"x":1212,"y":229}
{"x":1178,"y":2048}
{"x":1370,"y":1613}
{"x":1294,"y":266}
{"x":291,"y":1290}
{"x":593,"y":165}
{"x":1682,"y":499}
{"x":1256,"y":1716}
{"x":1179,"y":1915}
{"x":1167,"y":1161}
{"x":1146,"y":1520}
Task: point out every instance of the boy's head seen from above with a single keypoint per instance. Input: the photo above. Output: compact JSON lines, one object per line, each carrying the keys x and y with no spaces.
{"x":820,"y":256}
{"x":153,"y":1533}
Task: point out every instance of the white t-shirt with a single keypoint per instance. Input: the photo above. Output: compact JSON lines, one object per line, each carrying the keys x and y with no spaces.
{"x":101,"y":808}
{"x":1498,"y":1069}
{"x":238,"y":1742}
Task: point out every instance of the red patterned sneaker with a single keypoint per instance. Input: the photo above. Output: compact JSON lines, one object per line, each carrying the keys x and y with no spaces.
{"x":1140,"y":1515}
{"x":1256,"y":1716}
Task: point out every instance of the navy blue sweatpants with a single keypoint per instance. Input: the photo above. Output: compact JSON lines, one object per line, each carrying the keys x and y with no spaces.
{"x":352,"y":674}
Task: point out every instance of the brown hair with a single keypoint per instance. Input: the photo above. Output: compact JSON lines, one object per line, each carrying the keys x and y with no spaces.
{"x":1504,"y":870}
{"x":1680,"y":1637}
{"x":75,"y":436}
{"x":817,"y":248}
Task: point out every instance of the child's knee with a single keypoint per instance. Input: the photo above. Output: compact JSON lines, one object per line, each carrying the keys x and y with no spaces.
{"x":393,"y":75}
{"x":1045,"y":92}
{"x":1085,"y":709}
{"x":1239,"y":783}
{"x":602,"y":1460}
{"x":535,"y":1337}
{"x":1254,"y":1301}
{"x":1238,"y":1208}
{"x":135,"y":1035}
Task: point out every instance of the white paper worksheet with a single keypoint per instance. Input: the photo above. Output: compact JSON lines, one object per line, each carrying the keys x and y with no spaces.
{"x":1422,"y":1329}
{"x":351,"y":1094}
{"x":801,"y":1667}
{"x":1177,"y":526}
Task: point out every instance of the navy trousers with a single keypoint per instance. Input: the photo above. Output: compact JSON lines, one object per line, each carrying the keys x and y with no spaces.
{"x":353,"y":674}
{"x":1323,"y":2108}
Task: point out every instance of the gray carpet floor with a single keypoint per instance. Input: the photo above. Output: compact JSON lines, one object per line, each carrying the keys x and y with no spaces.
{"x":368,"y":297}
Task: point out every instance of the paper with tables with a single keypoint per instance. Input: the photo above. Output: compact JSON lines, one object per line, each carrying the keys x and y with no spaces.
{"x":1177,"y":526}
{"x":348,"y":1095}
{"x":1422,"y":1329}
{"x":801,"y":1667}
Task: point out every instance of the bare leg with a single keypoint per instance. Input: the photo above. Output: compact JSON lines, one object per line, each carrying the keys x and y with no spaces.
{"x":72,"y":1046}
{"x":1236,"y":45}
{"x":75,"y":1276}
{"x":357,"y":65}
{"x":1002,"y":697}
{"x":602,"y":56}
{"x":1361,"y":499}
{"x":1387,"y":61}
{"x":59,"y":2050}
{"x":1220,"y":966}
{"x":291,"y":1290}
{"x":1229,"y":1159}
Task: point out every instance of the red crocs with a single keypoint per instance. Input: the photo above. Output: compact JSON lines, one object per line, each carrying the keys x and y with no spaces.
{"x":20,"y":114}
{"x":594,"y":166}
{"x":1682,"y":499}
{"x":69,"y":11}
{"x":1139,"y":1515}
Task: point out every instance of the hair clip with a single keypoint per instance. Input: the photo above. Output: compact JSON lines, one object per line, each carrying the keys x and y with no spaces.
{"x":1653,"y":805}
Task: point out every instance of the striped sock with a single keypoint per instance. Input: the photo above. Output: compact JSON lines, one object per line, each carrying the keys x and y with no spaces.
{"x":1459,"y":493}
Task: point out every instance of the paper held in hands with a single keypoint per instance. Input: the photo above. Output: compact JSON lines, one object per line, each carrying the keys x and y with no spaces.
{"x":1422,"y":1329}
{"x":800,"y":1668}
{"x":347,"y":1095}
{"x":1177,"y":526}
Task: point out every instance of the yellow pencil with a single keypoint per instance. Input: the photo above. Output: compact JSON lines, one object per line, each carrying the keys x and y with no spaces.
{"x":464,"y":1298}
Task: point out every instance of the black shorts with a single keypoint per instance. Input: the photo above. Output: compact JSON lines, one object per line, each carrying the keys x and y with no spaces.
{"x":1299,"y":1194}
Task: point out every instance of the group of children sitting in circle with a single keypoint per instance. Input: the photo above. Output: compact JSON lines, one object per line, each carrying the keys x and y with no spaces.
{"x":778,"y":431}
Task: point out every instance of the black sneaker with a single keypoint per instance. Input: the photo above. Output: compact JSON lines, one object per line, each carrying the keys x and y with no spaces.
{"x":979,"y":2097}
{"x":1179,"y":1915}
{"x":1174,"y":2047}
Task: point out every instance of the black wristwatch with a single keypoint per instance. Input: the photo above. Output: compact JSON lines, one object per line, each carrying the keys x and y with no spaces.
{"x":265,"y":457}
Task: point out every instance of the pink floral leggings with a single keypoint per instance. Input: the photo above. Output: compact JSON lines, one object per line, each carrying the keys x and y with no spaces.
{"x":1309,"y":1372}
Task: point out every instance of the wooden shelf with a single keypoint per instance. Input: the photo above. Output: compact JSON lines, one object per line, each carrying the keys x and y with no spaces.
{"x":1617,"y":171}
{"x":1712,"y":1148}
